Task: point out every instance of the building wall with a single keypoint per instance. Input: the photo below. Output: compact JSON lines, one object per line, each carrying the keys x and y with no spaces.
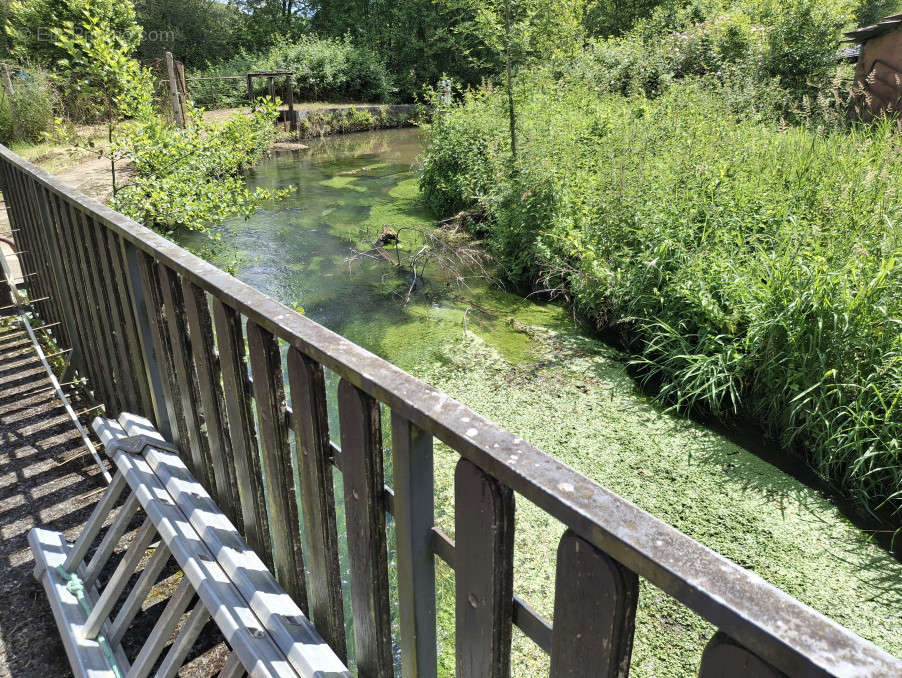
{"x":878,"y":76}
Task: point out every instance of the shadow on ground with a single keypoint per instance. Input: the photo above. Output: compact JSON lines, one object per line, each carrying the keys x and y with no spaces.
{"x":46,"y":478}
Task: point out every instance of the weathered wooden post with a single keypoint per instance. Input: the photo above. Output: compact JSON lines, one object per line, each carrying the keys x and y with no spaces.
{"x":183,"y":89}
{"x":10,"y":92}
{"x":6,"y":296}
{"x":292,"y":123}
{"x":174,"y":91}
{"x":250,"y":89}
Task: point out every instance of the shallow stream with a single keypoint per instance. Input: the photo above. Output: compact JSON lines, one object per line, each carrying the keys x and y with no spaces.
{"x":311,"y":252}
{"x":526,"y":366}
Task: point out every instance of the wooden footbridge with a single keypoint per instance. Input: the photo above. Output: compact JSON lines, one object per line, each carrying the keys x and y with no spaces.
{"x":239,"y":383}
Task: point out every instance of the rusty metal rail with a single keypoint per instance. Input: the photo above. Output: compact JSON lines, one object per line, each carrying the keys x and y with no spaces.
{"x":159,"y":332}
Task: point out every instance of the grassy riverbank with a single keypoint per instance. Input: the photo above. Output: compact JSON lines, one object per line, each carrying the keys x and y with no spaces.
{"x":751,"y":268}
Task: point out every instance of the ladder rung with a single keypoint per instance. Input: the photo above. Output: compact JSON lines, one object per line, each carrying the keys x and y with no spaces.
{"x":162,"y":630}
{"x":95,"y":522}
{"x":119,"y":579}
{"x":233,"y":667}
{"x":110,"y":539}
{"x":138,"y":594}
{"x":184,"y":642}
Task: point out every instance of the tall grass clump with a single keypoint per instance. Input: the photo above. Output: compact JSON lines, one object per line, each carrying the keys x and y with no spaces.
{"x":753,"y":269}
{"x":34,"y":101}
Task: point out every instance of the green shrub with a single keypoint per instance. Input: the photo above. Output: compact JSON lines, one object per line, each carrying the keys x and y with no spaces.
{"x":183,"y":177}
{"x":325,"y":69}
{"x":34,"y":100}
{"x":788,"y":50}
{"x":802,"y":43}
{"x":30,"y":24}
{"x":334,"y":70}
{"x":753,"y":269}
{"x":191,"y":178}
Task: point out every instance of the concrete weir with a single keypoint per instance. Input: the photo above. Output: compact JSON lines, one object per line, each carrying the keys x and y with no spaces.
{"x":394,"y":110}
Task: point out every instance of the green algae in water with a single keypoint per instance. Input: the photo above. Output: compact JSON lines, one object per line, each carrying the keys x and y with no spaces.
{"x":523,"y":365}
{"x":347,"y":191}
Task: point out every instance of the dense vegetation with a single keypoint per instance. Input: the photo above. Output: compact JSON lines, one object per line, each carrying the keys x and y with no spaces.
{"x":184,"y":177}
{"x":750,"y":264}
{"x":325,"y":69}
{"x":34,"y":101}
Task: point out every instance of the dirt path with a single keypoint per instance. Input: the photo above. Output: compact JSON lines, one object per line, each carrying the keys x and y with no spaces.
{"x":92,"y":176}
{"x":46,"y":478}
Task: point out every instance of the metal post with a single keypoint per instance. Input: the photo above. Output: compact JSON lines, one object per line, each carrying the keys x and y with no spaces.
{"x":142,"y":320}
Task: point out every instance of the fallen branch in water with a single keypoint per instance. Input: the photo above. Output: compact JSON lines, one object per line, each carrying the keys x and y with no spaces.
{"x":446,"y":247}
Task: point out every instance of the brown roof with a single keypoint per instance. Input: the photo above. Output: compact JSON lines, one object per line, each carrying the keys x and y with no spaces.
{"x":888,"y":25}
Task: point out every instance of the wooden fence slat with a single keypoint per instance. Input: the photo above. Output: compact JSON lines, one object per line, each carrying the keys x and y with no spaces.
{"x":90,"y":362}
{"x":278,"y":476}
{"x":106,"y":328}
{"x":412,"y":458}
{"x":200,"y":326}
{"x":361,"y":445}
{"x":195,"y":444}
{"x":6,"y":297}
{"x":311,"y":425}
{"x":28,"y":237}
{"x":111,"y":303}
{"x":35,"y":246}
{"x":725,"y":658}
{"x":484,"y":554}
{"x":100,"y":348}
{"x":36,"y":250}
{"x":67,"y":336}
{"x":594,"y":612}
{"x":156,"y":323}
{"x":119,"y":269}
{"x":146,"y":320}
{"x":242,"y":432}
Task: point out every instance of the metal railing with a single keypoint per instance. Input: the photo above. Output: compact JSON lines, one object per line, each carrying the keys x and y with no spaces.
{"x":159,"y":332}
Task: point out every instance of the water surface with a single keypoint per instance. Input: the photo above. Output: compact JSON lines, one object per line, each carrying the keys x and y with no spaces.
{"x":305,"y":251}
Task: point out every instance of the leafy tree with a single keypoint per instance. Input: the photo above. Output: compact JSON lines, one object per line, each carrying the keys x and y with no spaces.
{"x":613,"y":17}
{"x":802,"y":43}
{"x":871,"y":11}
{"x":183,"y":177}
{"x":268,"y":21}
{"x":30,"y":25}
{"x":195,"y":31}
